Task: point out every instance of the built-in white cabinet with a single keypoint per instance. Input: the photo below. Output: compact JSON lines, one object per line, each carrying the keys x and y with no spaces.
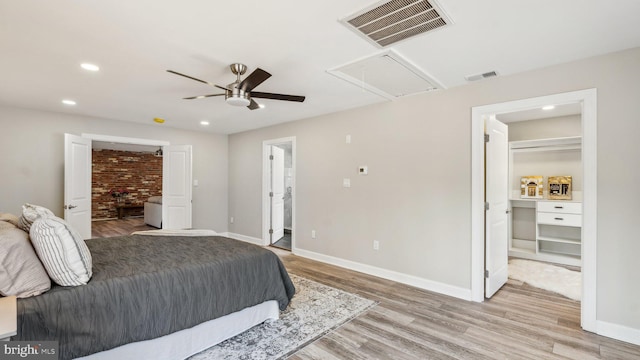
{"x":544,"y":229}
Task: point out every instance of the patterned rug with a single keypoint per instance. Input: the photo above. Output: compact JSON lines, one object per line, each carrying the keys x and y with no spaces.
{"x":314,"y":311}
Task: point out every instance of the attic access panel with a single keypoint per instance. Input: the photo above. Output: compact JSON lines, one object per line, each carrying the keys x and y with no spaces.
{"x":388,"y":22}
{"x":386,"y":74}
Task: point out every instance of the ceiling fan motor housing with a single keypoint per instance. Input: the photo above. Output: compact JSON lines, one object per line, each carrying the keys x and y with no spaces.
{"x":237,"y":96}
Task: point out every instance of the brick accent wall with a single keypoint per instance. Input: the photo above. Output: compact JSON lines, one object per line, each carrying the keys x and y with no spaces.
{"x":139,"y":173}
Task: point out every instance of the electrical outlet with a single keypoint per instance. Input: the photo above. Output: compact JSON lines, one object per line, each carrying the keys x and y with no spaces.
{"x":346,"y":182}
{"x":313,"y":234}
{"x":231,"y":220}
{"x":376,"y":245}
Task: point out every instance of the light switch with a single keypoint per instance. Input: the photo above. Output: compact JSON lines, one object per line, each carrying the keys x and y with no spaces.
{"x":348,"y":139}
{"x":195,"y":182}
{"x":346,"y":183}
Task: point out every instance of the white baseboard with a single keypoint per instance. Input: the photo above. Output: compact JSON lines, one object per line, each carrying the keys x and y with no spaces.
{"x":244,"y":238}
{"x":425,"y":284}
{"x":619,"y":332}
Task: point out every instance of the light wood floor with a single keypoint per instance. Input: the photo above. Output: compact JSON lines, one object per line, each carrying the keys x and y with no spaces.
{"x":109,"y":228}
{"x":519,"y":322}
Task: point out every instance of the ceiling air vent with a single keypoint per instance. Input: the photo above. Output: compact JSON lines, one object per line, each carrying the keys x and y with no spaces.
{"x":481,"y":76}
{"x":389,"y":22}
{"x":386,"y":74}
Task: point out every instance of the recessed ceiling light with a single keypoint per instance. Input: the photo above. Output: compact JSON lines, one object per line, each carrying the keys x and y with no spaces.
{"x":90,"y":67}
{"x":205,"y":123}
{"x":548,"y":107}
{"x":68,"y":102}
{"x":261,"y":106}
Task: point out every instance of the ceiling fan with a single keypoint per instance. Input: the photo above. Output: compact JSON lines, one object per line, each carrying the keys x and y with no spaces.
{"x":240,"y":92}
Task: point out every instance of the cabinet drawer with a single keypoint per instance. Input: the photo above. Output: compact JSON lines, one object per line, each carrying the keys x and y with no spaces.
{"x":560,"y":207}
{"x":559,"y":219}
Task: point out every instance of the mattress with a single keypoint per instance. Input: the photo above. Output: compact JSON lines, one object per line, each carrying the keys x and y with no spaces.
{"x":144,"y":287}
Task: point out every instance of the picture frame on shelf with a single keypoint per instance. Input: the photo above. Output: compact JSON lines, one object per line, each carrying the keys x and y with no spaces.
{"x":532,"y":187}
{"x":560,"y":187}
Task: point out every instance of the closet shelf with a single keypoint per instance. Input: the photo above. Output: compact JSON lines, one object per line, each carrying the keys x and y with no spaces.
{"x":561,"y":143}
{"x":559,"y":240}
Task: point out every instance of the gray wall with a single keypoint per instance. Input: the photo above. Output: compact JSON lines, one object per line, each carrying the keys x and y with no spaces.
{"x":32,"y":161}
{"x":416,"y":199}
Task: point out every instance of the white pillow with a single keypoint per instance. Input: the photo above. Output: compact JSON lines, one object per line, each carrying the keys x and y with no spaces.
{"x":62,"y":251}
{"x":31,"y":213}
{"x":21,"y":273}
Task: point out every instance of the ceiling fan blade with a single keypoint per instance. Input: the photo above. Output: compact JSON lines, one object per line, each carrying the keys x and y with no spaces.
{"x":196,"y":79}
{"x":272,"y":96}
{"x":257,"y":77}
{"x":201,"y":96}
{"x":253,"y":105}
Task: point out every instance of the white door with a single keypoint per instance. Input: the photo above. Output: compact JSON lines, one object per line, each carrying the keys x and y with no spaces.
{"x":77,"y":183}
{"x":277,"y":193}
{"x":176,"y":187}
{"x":497,"y":196}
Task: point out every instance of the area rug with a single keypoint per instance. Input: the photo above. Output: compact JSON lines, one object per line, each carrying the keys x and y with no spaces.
{"x":548,"y":277}
{"x":314,"y":311}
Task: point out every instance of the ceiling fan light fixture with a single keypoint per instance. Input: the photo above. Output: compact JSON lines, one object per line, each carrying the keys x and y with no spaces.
{"x":237,"y":101}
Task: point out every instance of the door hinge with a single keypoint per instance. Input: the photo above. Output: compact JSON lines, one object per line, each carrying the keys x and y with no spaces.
{"x":486,"y":274}
{"x":270,"y":157}
{"x":486,"y":206}
{"x":271,"y":194}
{"x":270,"y":231}
{"x":486,"y":138}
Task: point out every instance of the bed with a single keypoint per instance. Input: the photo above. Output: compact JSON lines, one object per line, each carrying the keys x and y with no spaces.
{"x":153,"y":211}
{"x":175,"y":295}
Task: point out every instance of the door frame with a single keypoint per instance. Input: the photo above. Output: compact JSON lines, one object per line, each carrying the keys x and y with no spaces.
{"x":588,"y":99}
{"x":266,"y":188}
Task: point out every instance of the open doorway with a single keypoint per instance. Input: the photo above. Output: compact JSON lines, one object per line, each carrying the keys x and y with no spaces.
{"x":544,"y":197}
{"x":176,"y":181}
{"x":126,"y":188}
{"x":278,"y":194}
{"x":587,"y":101}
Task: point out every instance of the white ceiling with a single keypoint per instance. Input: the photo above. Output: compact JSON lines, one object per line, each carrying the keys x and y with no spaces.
{"x":42,"y":44}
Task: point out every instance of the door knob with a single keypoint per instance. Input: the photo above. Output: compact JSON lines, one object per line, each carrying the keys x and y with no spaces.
{"x":70,"y":206}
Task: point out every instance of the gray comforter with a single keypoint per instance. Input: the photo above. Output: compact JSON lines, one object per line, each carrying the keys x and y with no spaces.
{"x":144,"y":287}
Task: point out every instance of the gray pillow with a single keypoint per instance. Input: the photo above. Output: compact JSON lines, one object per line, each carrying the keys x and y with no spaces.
{"x":31,"y":213}
{"x":155,"y":199}
{"x":21,"y":273}
{"x":62,"y":251}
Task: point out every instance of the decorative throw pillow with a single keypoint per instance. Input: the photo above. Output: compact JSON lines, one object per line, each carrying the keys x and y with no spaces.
{"x":62,"y":251}
{"x":10,"y":218}
{"x":21,"y":273}
{"x":155,"y":199}
{"x":31,"y":213}
{"x":6,"y":225}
